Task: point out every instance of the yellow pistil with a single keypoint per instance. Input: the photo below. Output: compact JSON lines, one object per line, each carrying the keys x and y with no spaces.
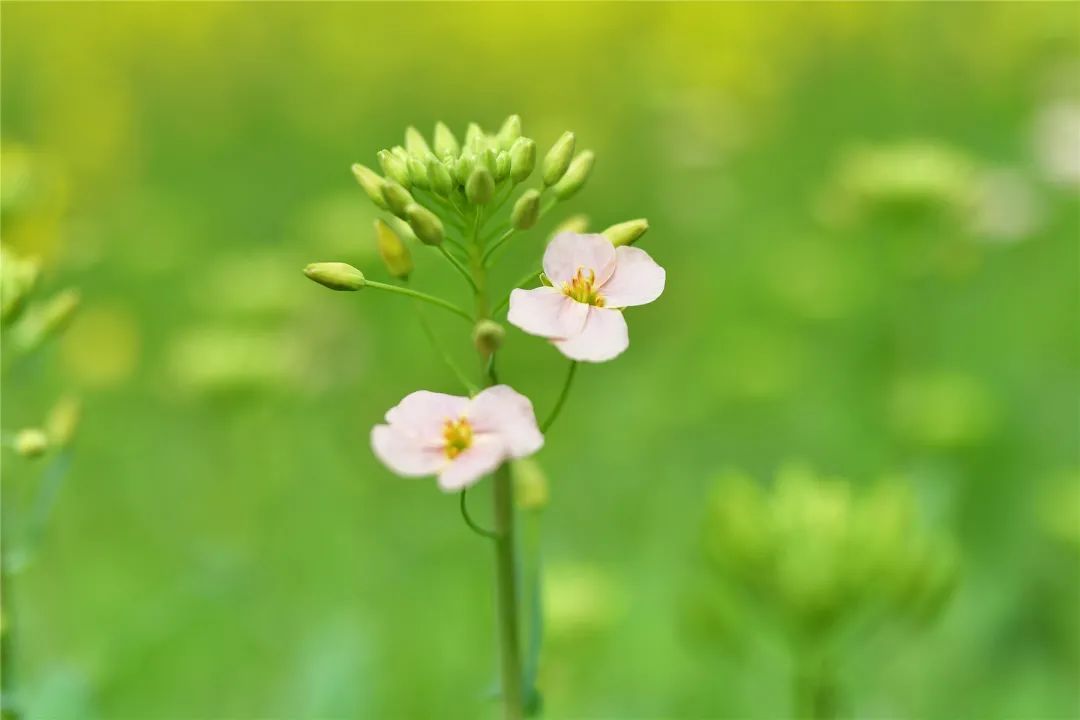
{"x":458,"y":437}
{"x":583,"y":288}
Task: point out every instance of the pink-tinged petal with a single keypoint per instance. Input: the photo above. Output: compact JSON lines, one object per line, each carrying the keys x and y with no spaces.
{"x":546,"y":312}
{"x":604,"y":337}
{"x":404,"y":454}
{"x":569,"y":251}
{"x":502,"y":411}
{"x":485,"y":454}
{"x":637,"y":279}
{"x":422,"y":415}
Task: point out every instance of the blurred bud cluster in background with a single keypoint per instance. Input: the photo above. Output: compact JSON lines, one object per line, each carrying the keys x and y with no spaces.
{"x":842,"y":472}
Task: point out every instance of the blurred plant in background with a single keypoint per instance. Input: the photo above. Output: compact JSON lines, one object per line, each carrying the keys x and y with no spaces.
{"x":825,"y":565}
{"x":27,"y":322}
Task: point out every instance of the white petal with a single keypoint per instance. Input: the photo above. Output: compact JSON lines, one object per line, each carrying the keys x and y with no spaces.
{"x":637,"y":279}
{"x":569,"y":251}
{"x":605,"y":336}
{"x":422,"y":415}
{"x":404,"y":454}
{"x":486,"y":453}
{"x":546,"y":312}
{"x":505,"y":412}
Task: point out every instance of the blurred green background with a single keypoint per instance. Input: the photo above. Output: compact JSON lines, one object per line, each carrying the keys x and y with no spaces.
{"x":869,"y":220}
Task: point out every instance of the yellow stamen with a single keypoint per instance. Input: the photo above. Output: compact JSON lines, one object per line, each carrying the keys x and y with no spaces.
{"x":458,"y":436}
{"x":583,"y":288}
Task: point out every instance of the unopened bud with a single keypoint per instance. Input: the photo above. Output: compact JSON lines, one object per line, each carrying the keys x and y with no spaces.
{"x":488,"y":336}
{"x":558,"y":158}
{"x":62,"y":422}
{"x":626,"y":233}
{"x":480,"y":186}
{"x":474,"y":138}
{"x":426,"y":224}
{"x":575,"y":176}
{"x":371,"y":182}
{"x":502,"y":166}
{"x":463,"y":167}
{"x":526,"y":210}
{"x":418,"y":173}
{"x":394,"y":167}
{"x":31,"y":442}
{"x":439,"y":177}
{"x":446,"y":145}
{"x":393,"y":251}
{"x":522,"y":159}
{"x":487,"y":159}
{"x":530,"y":485}
{"x":509,"y":132}
{"x":400,"y":152}
{"x":574,"y":224}
{"x":415,"y":144}
{"x":397,"y":197}
{"x":335,"y":275}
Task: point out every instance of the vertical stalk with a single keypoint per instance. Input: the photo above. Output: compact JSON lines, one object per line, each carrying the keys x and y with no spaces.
{"x":815,"y":685}
{"x":8,"y":708}
{"x":506,"y":576}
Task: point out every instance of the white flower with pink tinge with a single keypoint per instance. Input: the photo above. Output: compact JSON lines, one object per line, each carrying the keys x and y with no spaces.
{"x":592,"y":281}
{"x":459,"y":439}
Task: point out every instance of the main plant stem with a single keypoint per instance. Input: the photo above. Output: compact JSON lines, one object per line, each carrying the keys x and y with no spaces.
{"x":506,"y":576}
{"x":8,"y":701}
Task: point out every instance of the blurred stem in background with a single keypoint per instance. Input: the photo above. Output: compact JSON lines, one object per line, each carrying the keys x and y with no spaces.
{"x":815,"y":689}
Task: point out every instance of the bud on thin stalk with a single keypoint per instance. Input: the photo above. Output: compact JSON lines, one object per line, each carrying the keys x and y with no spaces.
{"x":463,"y":167}
{"x":415,"y":144}
{"x":393,"y":251}
{"x":626,"y":233}
{"x":370,"y":182}
{"x":418,"y":173}
{"x":488,"y":336}
{"x":575,"y":176}
{"x":446,"y":145}
{"x":509,"y":132}
{"x":522,"y":159}
{"x":502,"y":166}
{"x":575,"y":224}
{"x":335,"y":275}
{"x":558,"y":158}
{"x":394,"y":167}
{"x":474,"y":138}
{"x":426,"y":224}
{"x":397,"y":198}
{"x":439,"y":177}
{"x":480,"y":186}
{"x":526,"y":210}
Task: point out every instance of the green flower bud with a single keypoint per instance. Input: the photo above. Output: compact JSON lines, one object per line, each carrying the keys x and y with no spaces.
{"x":558,"y":158}
{"x":474,"y":138}
{"x":397,"y":198}
{"x":522,"y":159}
{"x":626,"y":233}
{"x":400,"y":152}
{"x":31,"y":443}
{"x":488,"y":336}
{"x":463,"y":167}
{"x":439,"y":177}
{"x":502,"y":166}
{"x":509,"y":132}
{"x":526,"y":210}
{"x":575,"y":224}
{"x":394,"y":167}
{"x":415,"y":144}
{"x":393,"y":251}
{"x":575,"y":176}
{"x":335,"y":275}
{"x":418,"y":173}
{"x":62,"y":422}
{"x":17,"y":279}
{"x":480,"y":186}
{"x":426,"y":224}
{"x":446,"y":145}
{"x":487,"y":159}
{"x":371,"y":182}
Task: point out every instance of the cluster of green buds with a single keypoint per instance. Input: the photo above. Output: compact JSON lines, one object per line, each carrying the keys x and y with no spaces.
{"x":25,"y":324}
{"x":818,"y":553}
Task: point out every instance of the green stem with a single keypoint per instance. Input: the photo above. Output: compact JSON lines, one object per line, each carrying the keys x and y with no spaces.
{"x":814,"y":684}
{"x":498,"y":244}
{"x":457,"y":266}
{"x":438,"y":347}
{"x":562,"y":397}
{"x":8,"y":702}
{"x":445,"y":304}
{"x":491,"y":535}
{"x":506,"y":300}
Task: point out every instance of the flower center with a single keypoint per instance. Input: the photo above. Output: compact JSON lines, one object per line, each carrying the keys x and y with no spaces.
{"x":458,"y":437}
{"x":583,"y":288}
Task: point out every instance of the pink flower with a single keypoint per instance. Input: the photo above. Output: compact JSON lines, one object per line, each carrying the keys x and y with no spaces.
{"x":459,"y":439}
{"x":593,"y":281}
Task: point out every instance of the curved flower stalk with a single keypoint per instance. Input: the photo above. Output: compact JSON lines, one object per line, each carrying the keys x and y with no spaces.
{"x":454,"y":197}
{"x":26,"y":324}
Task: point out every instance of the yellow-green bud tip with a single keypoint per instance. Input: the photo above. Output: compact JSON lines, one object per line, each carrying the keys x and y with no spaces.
{"x":558,"y":158}
{"x":488,"y":336}
{"x":371,"y":183}
{"x":31,"y":442}
{"x":335,"y":275}
{"x":626,"y":233}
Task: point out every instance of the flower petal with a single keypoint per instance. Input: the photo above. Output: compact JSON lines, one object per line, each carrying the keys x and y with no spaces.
{"x":485,"y":454}
{"x":546,"y":312}
{"x":569,"y":251}
{"x":405,"y":454}
{"x":637,"y":279}
{"x":605,"y":336}
{"x":422,"y":415}
{"x":505,"y":412}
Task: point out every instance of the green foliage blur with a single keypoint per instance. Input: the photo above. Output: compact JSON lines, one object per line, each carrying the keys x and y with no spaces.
{"x":869,"y":219}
